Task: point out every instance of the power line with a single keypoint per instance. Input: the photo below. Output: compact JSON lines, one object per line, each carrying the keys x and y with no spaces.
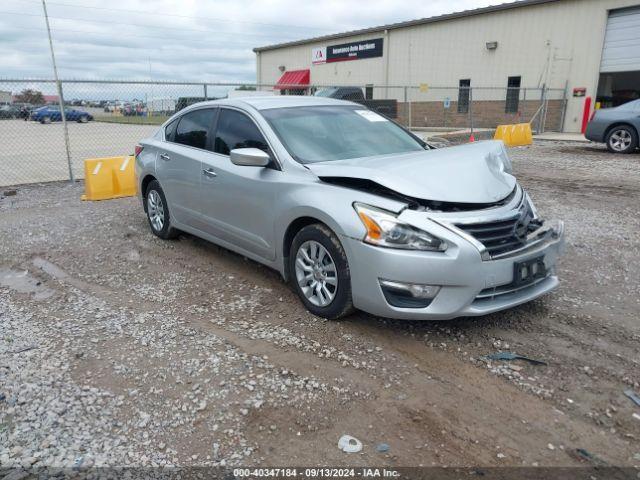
{"x":118,"y":57}
{"x":124,"y":34}
{"x":175,"y":15}
{"x":162,"y":27}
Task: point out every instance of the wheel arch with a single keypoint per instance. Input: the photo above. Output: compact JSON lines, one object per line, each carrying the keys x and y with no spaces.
{"x":291,"y":231}
{"x":302,"y":218}
{"x":620,"y":124}
{"x":146,"y":180}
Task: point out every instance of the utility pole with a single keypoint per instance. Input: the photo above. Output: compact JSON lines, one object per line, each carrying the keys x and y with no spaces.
{"x":59,"y":88}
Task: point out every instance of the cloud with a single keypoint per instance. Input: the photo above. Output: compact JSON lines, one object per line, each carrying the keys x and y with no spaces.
{"x":185,"y":40}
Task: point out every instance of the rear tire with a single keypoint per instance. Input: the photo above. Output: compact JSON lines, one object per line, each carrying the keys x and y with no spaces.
{"x":46,"y":120}
{"x":83,"y":119}
{"x":319,"y":271}
{"x":622,"y":139}
{"x":158,"y":212}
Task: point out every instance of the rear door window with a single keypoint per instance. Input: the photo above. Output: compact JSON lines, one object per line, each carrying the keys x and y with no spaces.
{"x":237,"y":130}
{"x":194,"y":128}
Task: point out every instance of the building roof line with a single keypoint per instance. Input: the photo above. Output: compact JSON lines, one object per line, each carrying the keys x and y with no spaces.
{"x":409,"y":23}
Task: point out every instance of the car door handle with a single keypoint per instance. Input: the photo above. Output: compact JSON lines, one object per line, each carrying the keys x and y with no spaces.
{"x":209,"y":172}
{"x":165,"y":157}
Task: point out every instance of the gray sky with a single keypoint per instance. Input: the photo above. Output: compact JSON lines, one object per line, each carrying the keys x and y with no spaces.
{"x":180,"y":39}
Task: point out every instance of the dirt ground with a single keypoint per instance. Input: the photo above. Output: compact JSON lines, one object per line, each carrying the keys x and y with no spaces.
{"x":118,"y":348}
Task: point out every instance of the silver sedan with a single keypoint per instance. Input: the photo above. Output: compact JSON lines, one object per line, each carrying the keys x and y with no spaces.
{"x":351,"y":208}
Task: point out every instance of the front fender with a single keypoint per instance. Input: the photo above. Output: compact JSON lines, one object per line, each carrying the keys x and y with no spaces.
{"x":329,"y":204}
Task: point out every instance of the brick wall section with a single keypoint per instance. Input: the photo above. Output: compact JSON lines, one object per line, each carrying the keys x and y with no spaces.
{"x":486,"y":114}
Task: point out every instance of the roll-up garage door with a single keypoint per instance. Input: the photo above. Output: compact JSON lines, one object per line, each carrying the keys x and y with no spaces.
{"x":621,"y":51}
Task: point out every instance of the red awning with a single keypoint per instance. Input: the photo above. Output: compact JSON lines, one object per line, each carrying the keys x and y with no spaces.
{"x":295,"y":79}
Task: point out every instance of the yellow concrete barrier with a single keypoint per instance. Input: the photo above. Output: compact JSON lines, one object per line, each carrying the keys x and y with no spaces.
{"x":110,"y":177}
{"x":514,"y":135}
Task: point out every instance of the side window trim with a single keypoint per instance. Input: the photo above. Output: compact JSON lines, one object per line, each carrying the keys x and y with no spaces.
{"x":214,"y":129}
{"x":164,"y":129}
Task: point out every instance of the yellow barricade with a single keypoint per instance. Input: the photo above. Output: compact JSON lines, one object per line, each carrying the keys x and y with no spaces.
{"x":110,"y":177}
{"x":514,"y":135}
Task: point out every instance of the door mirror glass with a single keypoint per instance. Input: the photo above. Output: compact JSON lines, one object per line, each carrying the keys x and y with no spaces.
{"x":250,"y":157}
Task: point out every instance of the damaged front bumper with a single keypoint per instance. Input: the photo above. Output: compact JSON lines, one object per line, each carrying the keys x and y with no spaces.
{"x":467,"y":279}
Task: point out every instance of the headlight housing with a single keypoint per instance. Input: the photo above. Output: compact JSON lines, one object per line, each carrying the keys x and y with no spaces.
{"x":532,"y":207}
{"x":385,"y":230}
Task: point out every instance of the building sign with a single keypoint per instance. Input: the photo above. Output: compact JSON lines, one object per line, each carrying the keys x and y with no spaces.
{"x":318,"y":55}
{"x":354,"y":50}
{"x":579,"y":92}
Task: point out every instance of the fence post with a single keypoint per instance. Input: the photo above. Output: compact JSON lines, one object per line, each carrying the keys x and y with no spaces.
{"x":471,"y":111}
{"x":206,"y":96}
{"x":545,"y":108}
{"x":410,"y":111}
{"x":406,"y":105}
{"x":66,"y":130}
{"x":539,"y":122}
{"x":564,"y":105}
{"x":63,"y":116}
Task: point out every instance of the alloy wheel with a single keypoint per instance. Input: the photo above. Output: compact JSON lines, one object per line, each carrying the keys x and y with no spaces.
{"x":155,"y":210}
{"x":316,"y":273}
{"x":620,"y":140}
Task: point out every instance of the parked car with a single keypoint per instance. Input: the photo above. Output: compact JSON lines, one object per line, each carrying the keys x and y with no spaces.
{"x":178,"y":105}
{"x":133,"y":110}
{"x":52,"y":114}
{"x":617,"y":127}
{"x":388,"y":108}
{"x":9,"y":111}
{"x":341,"y":93}
{"x":353,"y":209}
{"x":24,"y":109}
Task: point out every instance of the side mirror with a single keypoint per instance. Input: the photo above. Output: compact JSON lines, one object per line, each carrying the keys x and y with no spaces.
{"x":249,"y":157}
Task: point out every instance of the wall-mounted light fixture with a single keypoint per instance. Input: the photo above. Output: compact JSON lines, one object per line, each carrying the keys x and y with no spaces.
{"x":491,"y":45}
{"x":282,"y":68}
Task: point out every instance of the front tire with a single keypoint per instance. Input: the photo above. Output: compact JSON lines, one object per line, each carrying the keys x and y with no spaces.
{"x":46,"y":120}
{"x":158,"y":212}
{"x":622,"y":139}
{"x":319,"y":271}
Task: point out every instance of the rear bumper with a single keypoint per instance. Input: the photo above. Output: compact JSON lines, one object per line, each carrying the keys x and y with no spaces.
{"x":470,"y":286}
{"x":595,"y":131}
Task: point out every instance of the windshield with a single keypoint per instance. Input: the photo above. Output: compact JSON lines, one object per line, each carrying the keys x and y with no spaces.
{"x":320,"y":134}
{"x":326,"y":92}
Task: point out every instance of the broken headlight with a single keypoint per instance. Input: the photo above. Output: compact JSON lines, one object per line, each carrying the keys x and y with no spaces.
{"x":385,"y":230}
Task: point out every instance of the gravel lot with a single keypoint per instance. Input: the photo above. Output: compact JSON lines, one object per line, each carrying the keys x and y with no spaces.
{"x":118,"y":348}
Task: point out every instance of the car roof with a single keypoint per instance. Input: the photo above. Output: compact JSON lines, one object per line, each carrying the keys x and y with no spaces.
{"x":276,"y":101}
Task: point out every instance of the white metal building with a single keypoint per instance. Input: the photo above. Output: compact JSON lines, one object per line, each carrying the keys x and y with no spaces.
{"x":583,"y":48}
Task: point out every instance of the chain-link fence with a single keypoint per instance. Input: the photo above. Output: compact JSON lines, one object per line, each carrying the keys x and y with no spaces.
{"x":108,"y":118}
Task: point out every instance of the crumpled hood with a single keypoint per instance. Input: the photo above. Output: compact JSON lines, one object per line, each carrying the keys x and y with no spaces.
{"x":471,"y":173}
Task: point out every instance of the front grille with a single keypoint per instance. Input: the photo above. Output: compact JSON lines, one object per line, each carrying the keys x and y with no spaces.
{"x":502,"y":236}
